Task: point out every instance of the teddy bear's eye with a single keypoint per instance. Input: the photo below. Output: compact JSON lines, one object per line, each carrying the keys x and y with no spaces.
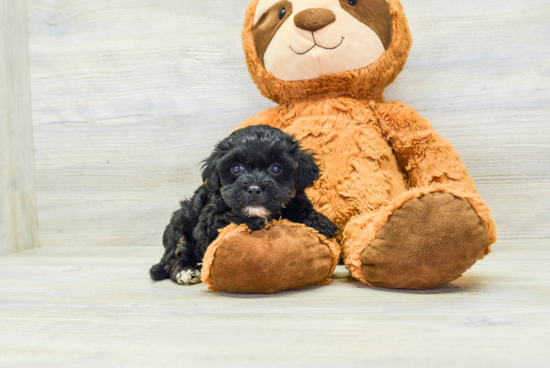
{"x":352,"y":2}
{"x":282,"y":13}
{"x":237,"y":169}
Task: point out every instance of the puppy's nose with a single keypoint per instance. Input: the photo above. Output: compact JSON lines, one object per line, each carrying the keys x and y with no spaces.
{"x":254,"y":190}
{"x":314,"y":19}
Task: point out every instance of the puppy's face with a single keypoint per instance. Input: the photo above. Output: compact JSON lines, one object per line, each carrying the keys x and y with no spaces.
{"x":257,"y":170}
{"x":257,"y":183}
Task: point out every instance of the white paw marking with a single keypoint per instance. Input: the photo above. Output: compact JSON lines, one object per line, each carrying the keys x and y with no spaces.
{"x":188,"y":277}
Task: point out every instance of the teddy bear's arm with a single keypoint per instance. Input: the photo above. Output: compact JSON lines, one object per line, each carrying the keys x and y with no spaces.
{"x":422,"y":152}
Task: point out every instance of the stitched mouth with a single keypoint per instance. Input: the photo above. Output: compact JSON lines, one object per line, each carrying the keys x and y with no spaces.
{"x":315,"y":44}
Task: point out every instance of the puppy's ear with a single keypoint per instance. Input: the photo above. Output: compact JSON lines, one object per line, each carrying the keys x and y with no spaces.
{"x":307,"y":171}
{"x":210,"y":173}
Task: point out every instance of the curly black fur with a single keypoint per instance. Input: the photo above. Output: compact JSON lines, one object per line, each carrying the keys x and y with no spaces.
{"x":256,"y":174}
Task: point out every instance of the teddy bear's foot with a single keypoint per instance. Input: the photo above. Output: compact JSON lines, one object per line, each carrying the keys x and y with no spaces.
{"x":283,"y":256}
{"x":427,"y":242}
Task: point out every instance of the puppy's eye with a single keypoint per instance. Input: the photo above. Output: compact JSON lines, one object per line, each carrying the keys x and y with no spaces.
{"x":352,"y":2}
{"x":237,"y":169}
{"x":276,"y":169}
{"x":282,"y":13}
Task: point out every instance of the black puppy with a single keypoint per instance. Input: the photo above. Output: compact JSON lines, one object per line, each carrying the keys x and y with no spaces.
{"x":256,"y":174}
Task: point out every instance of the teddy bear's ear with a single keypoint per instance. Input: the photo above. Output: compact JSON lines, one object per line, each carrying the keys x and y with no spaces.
{"x":307,"y":171}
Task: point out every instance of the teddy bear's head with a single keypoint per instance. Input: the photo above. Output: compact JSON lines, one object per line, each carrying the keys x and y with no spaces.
{"x":299,"y":48}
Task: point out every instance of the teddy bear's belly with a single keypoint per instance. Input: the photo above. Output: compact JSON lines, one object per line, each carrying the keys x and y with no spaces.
{"x":359,"y":170}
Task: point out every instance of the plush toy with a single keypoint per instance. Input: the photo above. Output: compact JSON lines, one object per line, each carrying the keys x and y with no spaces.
{"x":409,"y":213}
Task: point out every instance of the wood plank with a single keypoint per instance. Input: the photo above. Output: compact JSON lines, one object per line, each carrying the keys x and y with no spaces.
{"x":96,"y":307}
{"x":18,"y":213}
{"x":130,"y":95}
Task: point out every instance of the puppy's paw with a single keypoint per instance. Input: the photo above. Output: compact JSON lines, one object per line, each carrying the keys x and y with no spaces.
{"x":188,"y":277}
{"x":256,"y":223}
{"x":323,"y":225}
{"x":331,"y":231}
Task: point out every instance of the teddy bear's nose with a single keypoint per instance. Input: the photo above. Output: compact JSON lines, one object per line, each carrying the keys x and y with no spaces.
{"x":314,"y":19}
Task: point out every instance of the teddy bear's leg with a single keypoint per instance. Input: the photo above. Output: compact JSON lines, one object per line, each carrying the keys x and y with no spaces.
{"x":283,"y":256}
{"x":423,"y":239}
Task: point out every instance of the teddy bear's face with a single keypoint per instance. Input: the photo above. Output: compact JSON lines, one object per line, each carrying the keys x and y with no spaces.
{"x":306,"y":39}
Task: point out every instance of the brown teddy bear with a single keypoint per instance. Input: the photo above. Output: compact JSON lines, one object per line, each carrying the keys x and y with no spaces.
{"x":409,"y":213}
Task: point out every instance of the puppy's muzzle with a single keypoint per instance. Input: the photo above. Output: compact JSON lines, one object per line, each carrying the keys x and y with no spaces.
{"x":254,"y":191}
{"x":255,"y":210}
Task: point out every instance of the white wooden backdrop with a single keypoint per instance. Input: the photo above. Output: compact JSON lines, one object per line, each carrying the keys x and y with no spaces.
{"x":130,"y":95}
{"x":18,"y":219}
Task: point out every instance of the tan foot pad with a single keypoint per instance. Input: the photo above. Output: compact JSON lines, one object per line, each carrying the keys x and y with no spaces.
{"x":428,"y":242}
{"x":282,"y":257}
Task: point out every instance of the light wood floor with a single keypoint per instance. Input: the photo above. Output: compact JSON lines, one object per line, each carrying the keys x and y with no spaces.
{"x":96,"y":307}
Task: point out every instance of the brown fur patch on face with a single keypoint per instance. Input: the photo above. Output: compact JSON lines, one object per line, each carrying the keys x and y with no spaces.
{"x":268,"y":25}
{"x":375,"y":14}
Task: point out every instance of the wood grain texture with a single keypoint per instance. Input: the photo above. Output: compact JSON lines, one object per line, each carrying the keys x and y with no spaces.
{"x":18,"y":212}
{"x":130,"y":95}
{"x":96,"y":307}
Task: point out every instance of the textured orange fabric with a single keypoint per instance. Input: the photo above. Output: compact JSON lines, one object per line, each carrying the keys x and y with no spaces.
{"x":425,"y":156}
{"x":284,"y":256}
{"x":375,"y":157}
